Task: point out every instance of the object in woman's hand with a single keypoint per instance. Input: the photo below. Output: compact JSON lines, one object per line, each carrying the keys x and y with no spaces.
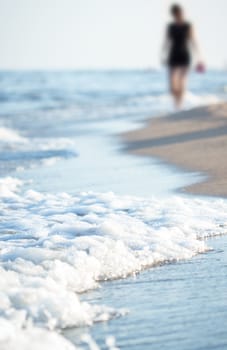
{"x":200,"y":68}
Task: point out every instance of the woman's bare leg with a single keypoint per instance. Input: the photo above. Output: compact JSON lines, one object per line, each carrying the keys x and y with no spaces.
{"x":178,"y":79}
{"x":174,"y":85}
{"x":183,"y":75}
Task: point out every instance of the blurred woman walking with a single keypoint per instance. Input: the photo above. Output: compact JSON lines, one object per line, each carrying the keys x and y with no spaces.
{"x":179,"y":43}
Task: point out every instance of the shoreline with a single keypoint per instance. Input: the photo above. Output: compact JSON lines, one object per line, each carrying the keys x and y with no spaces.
{"x":193,"y":140}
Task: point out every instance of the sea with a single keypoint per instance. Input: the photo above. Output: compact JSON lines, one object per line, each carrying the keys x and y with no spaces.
{"x":101,"y":249}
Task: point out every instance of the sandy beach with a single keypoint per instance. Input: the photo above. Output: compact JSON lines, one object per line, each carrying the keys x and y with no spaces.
{"x":194,"y":140}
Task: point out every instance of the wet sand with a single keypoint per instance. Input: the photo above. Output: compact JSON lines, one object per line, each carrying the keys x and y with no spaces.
{"x":194,"y":140}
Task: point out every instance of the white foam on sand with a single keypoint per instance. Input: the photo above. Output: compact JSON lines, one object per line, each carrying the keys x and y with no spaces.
{"x":191,"y":100}
{"x":56,"y":246}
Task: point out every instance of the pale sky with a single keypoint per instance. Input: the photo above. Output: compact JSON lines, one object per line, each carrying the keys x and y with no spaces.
{"x":56,"y":34}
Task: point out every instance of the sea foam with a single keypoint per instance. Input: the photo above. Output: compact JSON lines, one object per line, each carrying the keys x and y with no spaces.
{"x":23,"y":152}
{"x":55,"y":246}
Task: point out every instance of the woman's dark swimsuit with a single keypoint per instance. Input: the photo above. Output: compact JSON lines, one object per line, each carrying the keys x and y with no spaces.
{"x":179,"y":55}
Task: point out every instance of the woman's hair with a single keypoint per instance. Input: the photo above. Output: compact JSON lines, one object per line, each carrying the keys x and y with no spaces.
{"x":176,"y":9}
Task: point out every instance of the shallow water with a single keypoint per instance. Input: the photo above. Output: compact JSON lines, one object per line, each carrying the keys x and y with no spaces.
{"x":63,"y":231}
{"x":174,"y":306}
{"x":101,"y":163}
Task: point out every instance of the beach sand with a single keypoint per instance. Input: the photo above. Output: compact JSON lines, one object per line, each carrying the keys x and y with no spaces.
{"x":194,"y":140}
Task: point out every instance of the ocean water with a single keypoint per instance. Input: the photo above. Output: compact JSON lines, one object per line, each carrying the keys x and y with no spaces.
{"x":80,"y":219}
